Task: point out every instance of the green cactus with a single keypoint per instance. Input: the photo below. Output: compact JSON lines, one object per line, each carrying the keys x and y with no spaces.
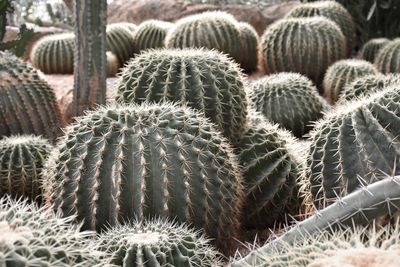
{"x":212,"y":30}
{"x":120,"y":42}
{"x":202,"y":79}
{"x":331,"y":10}
{"x":288,"y":99}
{"x":151,"y":34}
{"x":371,"y":48}
{"x":128,"y":25}
{"x":388,"y":58}
{"x":127,"y":161}
{"x":27,"y":103}
{"x":32,"y":236}
{"x":249,"y":47}
{"x":359,"y":139}
{"x":157,"y":243}
{"x":367,"y":85}
{"x":310,"y":46}
{"x":343,"y":73}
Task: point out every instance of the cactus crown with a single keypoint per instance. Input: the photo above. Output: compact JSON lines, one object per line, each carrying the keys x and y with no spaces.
{"x":371,"y":48}
{"x":151,"y":34}
{"x":388,"y":58}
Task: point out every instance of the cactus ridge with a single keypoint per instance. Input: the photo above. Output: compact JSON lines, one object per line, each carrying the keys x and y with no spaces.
{"x":151,"y":34}
{"x":249,"y":47}
{"x":128,"y":25}
{"x":120,"y":42}
{"x":371,"y":48}
{"x":388,"y":58}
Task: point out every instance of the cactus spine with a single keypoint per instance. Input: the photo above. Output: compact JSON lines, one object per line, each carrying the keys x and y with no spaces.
{"x":371,"y":48}
{"x":249,"y":47}
{"x":151,"y":34}
{"x":388,"y":58}
{"x":120,"y":42}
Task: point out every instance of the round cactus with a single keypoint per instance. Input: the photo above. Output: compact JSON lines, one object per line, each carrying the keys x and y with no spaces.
{"x":310,"y":46}
{"x":129,"y":161}
{"x":120,"y":42}
{"x":343,"y":73}
{"x":371,"y":48}
{"x":212,"y":30}
{"x":21,"y":163}
{"x":388,"y":58}
{"x":249,"y":47}
{"x":27,"y":103}
{"x":35,"y":237}
{"x":202,"y":79}
{"x":112,"y":64}
{"x":367,"y":85}
{"x":157,"y":243}
{"x":128,"y":25}
{"x":331,"y":10}
{"x":359,"y":139}
{"x":151,"y":34}
{"x":288,"y":99}
{"x":54,"y":54}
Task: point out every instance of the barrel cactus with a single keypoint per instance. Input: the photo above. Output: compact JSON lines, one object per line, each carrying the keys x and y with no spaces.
{"x":249,"y":47}
{"x":212,"y":30}
{"x":331,"y":10}
{"x":137,"y":161}
{"x":27,"y":103}
{"x":288,"y":99}
{"x":202,"y":79}
{"x":151,"y":34}
{"x":128,"y":25}
{"x":388,"y":58}
{"x":157,"y":243}
{"x":310,"y":46}
{"x":112,"y":64}
{"x":371,"y":48}
{"x":120,"y":42}
{"x":342,"y":73}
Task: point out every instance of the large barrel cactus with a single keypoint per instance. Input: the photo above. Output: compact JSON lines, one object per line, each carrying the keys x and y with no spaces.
{"x":157,"y":243}
{"x":288,"y":99}
{"x":371,"y":48}
{"x":120,"y":42}
{"x":27,"y":103}
{"x":204,"y":80}
{"x":331,"y":10}
{"x":151,"y":34}
{"x":388,"y":58}
{"x":212,"y":30}
{"x":342,"y":73}
{"x":137,"y":161}
{"x":310,"y":46}
{"x":249,"y":47}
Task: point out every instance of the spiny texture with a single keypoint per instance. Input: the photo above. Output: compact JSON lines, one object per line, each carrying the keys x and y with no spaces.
{"x":157,"y":243}
{"x":212,"y":30}
{"x":388,"y":58}
{"x":360,"y":139}
{"x":128,"y":161}
{"x":288,"y":99}
{"x":54,"y":54}
{"x":128,"y":25}
{"x":21,"y":163}
{"x":342,"y":73}
{"x":151,"y":34}
{"x":202,"y":79}
{"x":269,"y":172}
{"x":35,"y":237}
{"x":27,"y":103}
{"x":331,"y":10}
{"x":371,"y":48}
{"x":249,"y":47}
{"x":120,"y":42}
{"x":367,"y":85}
{"x":304,"y":45}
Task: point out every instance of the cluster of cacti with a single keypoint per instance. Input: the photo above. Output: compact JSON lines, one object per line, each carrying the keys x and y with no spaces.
{"x":331,"y":10}
{"x":342,"y":73}
{"x":205,"y":80}
{"x":388,"y":58}
{"x":151,"y":34}
{"x":27,"y":104}
{"x":288,"y":99}
{"x":157,"y":243}
{"x":371,"y":48}
{"x":310,"y":46}
{"x":120,"y":42}
{"x":249,"y":47}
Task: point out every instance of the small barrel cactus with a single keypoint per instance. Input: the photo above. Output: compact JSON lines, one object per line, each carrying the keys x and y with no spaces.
{"x":21,"y":163}
{"x":202,"y":79}
{"x":388,"y":58}
{"x":288,"y":99}
{"x":120,"y":42}
{"x":310,"y":46}
{"x":54,"y":54}
{"x":151,"y":34}
{"x":331,"y":10}
{"x":128,"y":25}
{"x":157,"y":243}
{"x":249,"y":47}
{"x":212,"y":30}
{"x":342,"y":73}
{"x":371,"y":48}
{"x":27,"y":103}
{"x":35,"y":237}
{"x":137,"y":161}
